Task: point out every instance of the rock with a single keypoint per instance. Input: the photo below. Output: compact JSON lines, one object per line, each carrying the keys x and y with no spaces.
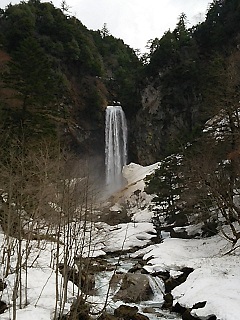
{"x":87,"y":281}
{"x":139,"y":316}
{"x":125,"y":312}
{"x":134,"y":288}
{"x":113,"y":219}
{"x":180,"y":234}
{"x":137,"y":268}
{"x":164,"y":275}
{"x":149,"y":310}
{"x":178,"y":308}
{"x":187,"y":315}
{"x":2,"y":285}
{"x":209,"y":229}
{"x":199,"y":305}
{"x":171,"y":283}
{"x":160,"y":121}
{"x":129,"y":313}
{"x":168,"y":301}
{"x":177,"y":231}
{"x":79,"y":310}
{"x":3,"y":307}
{"x":84,"y":280}
{"x":115,"y":280}
{"x":94,"y":264}
{"x":185,"y":312}
{"x":178,"y":220}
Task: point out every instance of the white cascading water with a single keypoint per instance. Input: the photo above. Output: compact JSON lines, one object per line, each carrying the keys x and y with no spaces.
{"x":115,"y":146}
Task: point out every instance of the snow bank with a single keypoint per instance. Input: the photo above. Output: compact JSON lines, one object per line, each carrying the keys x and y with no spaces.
{"x":133,"y":197}
{"x":215,"y":279}
{"x":135,"y":173}
{"x":126,"y":236}
{"x":41,"y":287}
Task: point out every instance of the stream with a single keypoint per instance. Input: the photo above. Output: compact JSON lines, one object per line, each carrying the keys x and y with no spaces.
{"x":150,"y":308}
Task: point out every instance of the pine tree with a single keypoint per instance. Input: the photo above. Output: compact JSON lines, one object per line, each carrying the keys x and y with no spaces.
{"x":33,"y":104}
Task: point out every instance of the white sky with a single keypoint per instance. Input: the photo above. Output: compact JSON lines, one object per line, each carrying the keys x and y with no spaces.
{"x":134,"y":21}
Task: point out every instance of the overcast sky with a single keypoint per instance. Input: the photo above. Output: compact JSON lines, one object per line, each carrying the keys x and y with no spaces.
{"x":134,"y":21}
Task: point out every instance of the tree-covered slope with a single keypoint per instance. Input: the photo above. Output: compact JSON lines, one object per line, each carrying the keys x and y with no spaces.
{"x":60,"y":76}
{"x":191,"y":75}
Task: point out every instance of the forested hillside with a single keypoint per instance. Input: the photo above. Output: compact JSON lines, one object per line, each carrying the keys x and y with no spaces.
{"x":57,"y":76}
{"x":192,"y":74}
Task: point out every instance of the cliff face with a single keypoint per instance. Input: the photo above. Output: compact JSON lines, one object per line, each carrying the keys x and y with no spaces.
{"x":148,"y":127}
{"x":158,"y":129}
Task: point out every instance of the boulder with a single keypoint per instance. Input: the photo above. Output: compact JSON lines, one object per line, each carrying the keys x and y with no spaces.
{"x":171,"y":283}
{"x":137,"y":268}
{"x":115,"y":280}
{"x":93,"y":264}
{"x":79,"y":310}
{"x":134,"y":288}
{"x":139,"y":316}
{"x":84,"y":280}
{"x":168,"y":301}
{"x":3,"y":306}
{"x":187,"y":315}
{"x":185,"y":312}
{"x":125,"y":312}
{"x":199,"y":305}
{"x":129,"y":313}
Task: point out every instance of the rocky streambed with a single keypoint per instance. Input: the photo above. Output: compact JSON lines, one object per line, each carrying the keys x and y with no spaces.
{"x":129,"y":292}
{"x":124,"y":289}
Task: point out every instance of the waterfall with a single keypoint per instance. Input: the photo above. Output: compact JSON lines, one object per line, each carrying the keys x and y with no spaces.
{"x":115,"y":146}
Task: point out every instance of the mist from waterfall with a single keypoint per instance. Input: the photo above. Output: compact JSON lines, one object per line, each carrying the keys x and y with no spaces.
{"x":115,"y":146}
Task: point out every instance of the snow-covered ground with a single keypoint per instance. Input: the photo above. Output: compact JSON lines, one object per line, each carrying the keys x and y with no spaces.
{"x":215,"y":279}
{"x":132,"y":196}
{"x":41,"y":286}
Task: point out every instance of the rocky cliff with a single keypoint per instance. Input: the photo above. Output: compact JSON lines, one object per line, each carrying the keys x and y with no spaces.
{"x":158,"y":130}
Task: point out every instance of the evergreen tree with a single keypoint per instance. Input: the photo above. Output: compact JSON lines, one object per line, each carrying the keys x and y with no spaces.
{"x":167,"y":185}
{"x":105,"y":31}
{"x":35,"y":88}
